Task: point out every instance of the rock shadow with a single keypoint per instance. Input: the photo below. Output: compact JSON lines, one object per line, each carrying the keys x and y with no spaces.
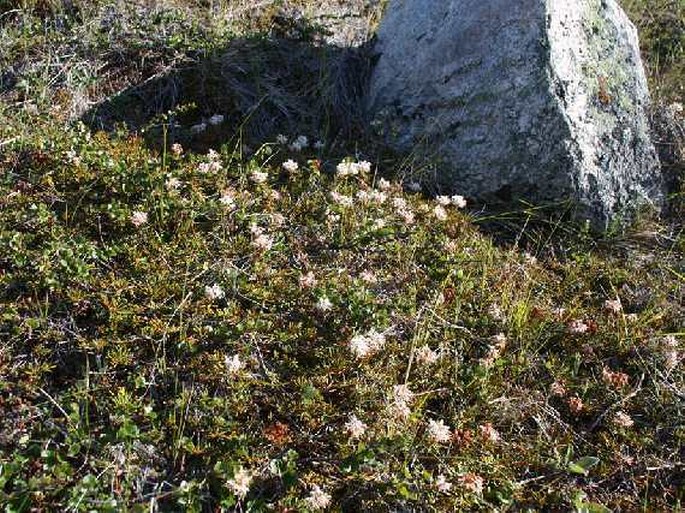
{"x":259,"y":87}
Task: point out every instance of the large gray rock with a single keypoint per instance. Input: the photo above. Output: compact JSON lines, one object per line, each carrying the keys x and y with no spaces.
{"x":506,"y":99}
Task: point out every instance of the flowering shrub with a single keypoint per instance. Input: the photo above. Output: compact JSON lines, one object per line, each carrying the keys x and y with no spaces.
{"x":289,"y":329}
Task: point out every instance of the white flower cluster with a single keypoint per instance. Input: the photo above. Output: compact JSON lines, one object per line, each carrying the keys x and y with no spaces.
{"x":213,"y":164}
{"x":318,"y":499}
{"x":216,"y":119}
{"x":233,"y":364}
{"x":259,"y":176}
{"x":384,"y":184}
{"x":324,"y":304}
{"x":355,"y":427}
{"x":577,"y":327}
{"x":300,"y":143}
{"x":351,"y":168}
{"x":456,"y":200}
{"x":442,"y":484}
{"x":672,"y":356}
{"x":613,"y":306}
{"x":438,"y":431}
{"x":260,"y":239}
{"x":426,"y":356}
{"x":227,"y":199}
{"x":138,"y":218}
{"x":366,"y":345}
{"x":214,"y":292}
{"x":403,"y":210}
{"x":240,"y":483}
{"x":373,"y":196}
{"x":290,"y":166}
{"x":341,"y":199}
{"x":172,"y":184}
{"x":308,"y":280}
{"x":402,"y":397}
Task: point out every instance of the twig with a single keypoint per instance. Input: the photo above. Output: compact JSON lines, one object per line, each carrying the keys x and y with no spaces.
{"x":50,"y":398}
{"x":8,"y":141}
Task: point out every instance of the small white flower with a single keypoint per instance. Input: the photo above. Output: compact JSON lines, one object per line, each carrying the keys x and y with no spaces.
{"x":198,"y":129}
{"x":281,"y":139}
{"x":213,"y":166}
{"x":227,"y":200}
{"x":324,"y":304}
{"x":277,"y":220}
{"x":458,"y":201}
{"x":216,"y":119}
{"x":559,"y":312}
{"x":233,"y":364}
{"x":622,"y":419}
{"x":332,"y":217}
{"x":670,"y":342}
{"x":379,"y":224}
{"x":399,"y":203}
{"x":363,"y":196}
{"x":290,"y":166}
{"x":402,"y":394}
{"x":318,"y":499}
{"x":671,"y":359}
{"x":364,"y":167}
{"x":384,"y":184}
{"x":347,"y":168}
{"x":376,"y":340}
{"x":259,"y":176}
{"x":407,"y":216}
{"x":213,"y":155}
{"x":263,"y":242}
{"x":443,"y":200}
{"x":355,"y":427}
{"x":489,"y":433}
{"x":577,"y":327}
{"x":426,"y":356}
{"x":368,"y":277}
{"x":442,"y":484}
{"x":440,"y":213}
{"x":240,"y":483}
{"x":613,"y":306}
{"x":177,"y":149}
{"x":399,"y":410}
{"x":360,"y":346}
{"x":300,"y":143}
{"x":438,"y":431}
{"x":138,"y":218}
{"x":308,"y":280}
{"x":341,"y":199}
{"x":172,"y":184}
{"x":378,"y":197}
{"x":73,"y":157}
{"x":214,"y":292}
{"x":472,"y":482}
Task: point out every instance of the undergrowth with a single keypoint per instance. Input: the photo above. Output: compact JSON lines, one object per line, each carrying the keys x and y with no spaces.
{"x":288,"y":327}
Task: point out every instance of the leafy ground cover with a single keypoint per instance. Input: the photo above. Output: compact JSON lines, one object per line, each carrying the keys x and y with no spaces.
{"x":290,"y":324}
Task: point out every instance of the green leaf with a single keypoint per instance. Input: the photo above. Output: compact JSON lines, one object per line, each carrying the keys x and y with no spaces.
{"x":583,"y":465}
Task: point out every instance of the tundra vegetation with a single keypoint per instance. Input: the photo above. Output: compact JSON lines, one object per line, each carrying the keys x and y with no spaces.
{"x":197,"y":317}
